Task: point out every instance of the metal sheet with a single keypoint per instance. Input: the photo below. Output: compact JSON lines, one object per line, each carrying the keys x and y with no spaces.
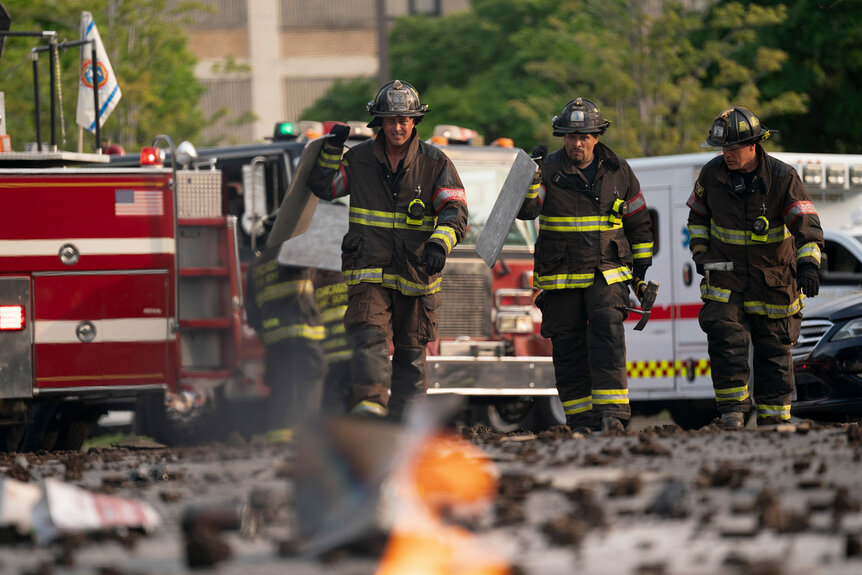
{"x":294,"y":215}
{"x":506,"y":207}
{"x":320,"y":246}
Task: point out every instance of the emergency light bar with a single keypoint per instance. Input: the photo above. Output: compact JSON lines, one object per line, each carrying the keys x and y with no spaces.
{"x":150,"y":157}
{"x":11,"y":317}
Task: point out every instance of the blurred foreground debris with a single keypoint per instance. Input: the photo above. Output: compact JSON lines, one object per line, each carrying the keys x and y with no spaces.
{"x":406,"y":491}
{"x":60,"y":508}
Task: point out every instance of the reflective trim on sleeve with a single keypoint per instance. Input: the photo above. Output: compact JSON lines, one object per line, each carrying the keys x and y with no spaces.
{"x":796,"y":209}
{"x":328,"y":161}
{"x":809,"y":250}
{"x":636,"y":204}
{"x":641,"y":251}
{"x":339,"y":184}
{"x":533,"y":192}
{"x":446,"y":234}
{"x":698,"y":232}
{"x":697,"y":206}
{"x":445,"y":195}
{"x":333,"y":314}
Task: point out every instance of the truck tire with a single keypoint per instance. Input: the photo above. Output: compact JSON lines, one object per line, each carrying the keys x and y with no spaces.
{"x":509,"y":415}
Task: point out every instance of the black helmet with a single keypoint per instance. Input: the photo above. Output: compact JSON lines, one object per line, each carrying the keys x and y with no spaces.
{"x":736,"y":126}
{"x":580,"y":116}
{"x":395,"y":98}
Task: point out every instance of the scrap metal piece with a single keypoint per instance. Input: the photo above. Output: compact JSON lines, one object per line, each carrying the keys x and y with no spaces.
{"x":297,"y":207}
{"x":506,"y":207}
{"x":320,"y":246}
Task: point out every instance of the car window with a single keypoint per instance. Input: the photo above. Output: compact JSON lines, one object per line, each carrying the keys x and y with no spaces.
{"x":839,"y":259}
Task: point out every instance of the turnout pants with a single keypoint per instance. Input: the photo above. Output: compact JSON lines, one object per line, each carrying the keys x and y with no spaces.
{"x":585,"y":326}
{"x":294,"y":374}
{"x":730,"y":331}
{"x":375,"y":316}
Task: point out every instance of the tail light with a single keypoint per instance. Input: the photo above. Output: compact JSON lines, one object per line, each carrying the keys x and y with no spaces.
{"x":11,"y":317}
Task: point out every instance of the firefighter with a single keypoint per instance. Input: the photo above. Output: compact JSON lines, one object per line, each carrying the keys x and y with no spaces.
{"x":756,"y":239}
{"x":594,"y":238}
{"x":330,"y":291}
{"x":281,"y":308}
{"x":407,"y":211}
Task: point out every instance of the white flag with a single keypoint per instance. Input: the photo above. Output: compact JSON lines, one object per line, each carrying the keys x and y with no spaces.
{"x":109,"y":90}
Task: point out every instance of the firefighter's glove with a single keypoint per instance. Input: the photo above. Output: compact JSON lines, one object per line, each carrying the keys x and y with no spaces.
{"x":639,"y":271}
{"x":700,"y":257}
{"x":538,"y":155}
{"x":808,"y":279}
{"x":338,"y":135}
{"x":434,"y":258}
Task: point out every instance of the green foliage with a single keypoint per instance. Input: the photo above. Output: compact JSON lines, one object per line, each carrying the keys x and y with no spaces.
{"x":506,"y":67}
{"x":147,"y":47}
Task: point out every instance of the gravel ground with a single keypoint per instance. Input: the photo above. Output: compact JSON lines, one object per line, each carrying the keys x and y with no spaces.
{"x":656,"y":500}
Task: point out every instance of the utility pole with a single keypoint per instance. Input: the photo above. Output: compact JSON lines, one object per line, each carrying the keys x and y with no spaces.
{"x":382,"y":42}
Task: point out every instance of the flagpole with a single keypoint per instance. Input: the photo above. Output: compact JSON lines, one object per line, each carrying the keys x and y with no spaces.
{"x":96,"y":100}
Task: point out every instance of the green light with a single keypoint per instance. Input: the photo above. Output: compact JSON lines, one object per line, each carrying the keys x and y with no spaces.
{"x":284,"y":129}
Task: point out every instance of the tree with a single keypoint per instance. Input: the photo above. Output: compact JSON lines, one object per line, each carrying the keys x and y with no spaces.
{"x":659,"y":71}
{"x":824,"y":42}
{"x":148,"y":50}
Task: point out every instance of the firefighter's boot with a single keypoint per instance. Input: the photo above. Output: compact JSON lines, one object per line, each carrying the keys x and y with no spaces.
{"x":612,"y":425}
{"x":409,"y":380}
{"x":732,"y":420}
{"x":370,"y":371}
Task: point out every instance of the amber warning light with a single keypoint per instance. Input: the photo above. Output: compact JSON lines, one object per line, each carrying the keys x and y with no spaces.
{"x":11,"y":317}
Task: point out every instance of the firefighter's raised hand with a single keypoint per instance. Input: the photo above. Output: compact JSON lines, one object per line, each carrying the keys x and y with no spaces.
{"x":338,"y":135}
{"x":808,"y":279}
{"x":434,"y":258}
{"x":539,"y":152}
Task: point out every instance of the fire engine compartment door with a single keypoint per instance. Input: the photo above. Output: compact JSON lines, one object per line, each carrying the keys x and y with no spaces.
{"x":101,"y":330}
{"x":16,"y":364}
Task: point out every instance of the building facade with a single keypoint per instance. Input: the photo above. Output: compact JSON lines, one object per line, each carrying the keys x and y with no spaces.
{"x":264,"y":61}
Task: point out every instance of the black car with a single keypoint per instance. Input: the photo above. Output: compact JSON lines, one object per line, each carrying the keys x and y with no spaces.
{"x":827,"y":360}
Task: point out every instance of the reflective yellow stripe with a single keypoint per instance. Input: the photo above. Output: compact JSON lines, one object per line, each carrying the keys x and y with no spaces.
{"x":732,"y":394}
{"x":447,"y":235}
{"x":809,"y":250}
{"x":284,"y":289}
{"x":578,"y":405}
{"x":610,"y":396}
{"x":643,"y":250}
{"x":782,"y":411}
{"x":698,"y":232}
{"x":392,"y":281}
{"x":772,"y":310}
{"x":303,"y":331}
{"x":563,"y":281}
{"x":743,"y":237}
{"x":617,"y":275}
{"x":577,"y":224}
{"x":389,"y":220}
{"x":714,"y":293}
{"x":333,"y":314}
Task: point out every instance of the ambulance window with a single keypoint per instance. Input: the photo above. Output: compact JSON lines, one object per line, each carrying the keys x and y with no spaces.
{"x":653,"y":215}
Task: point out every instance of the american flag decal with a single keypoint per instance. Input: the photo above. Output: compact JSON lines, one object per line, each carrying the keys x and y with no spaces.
{"x":138,"y":203}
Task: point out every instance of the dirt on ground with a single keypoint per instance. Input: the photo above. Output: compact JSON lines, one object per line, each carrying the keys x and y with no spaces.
{"x":659,"y":500}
